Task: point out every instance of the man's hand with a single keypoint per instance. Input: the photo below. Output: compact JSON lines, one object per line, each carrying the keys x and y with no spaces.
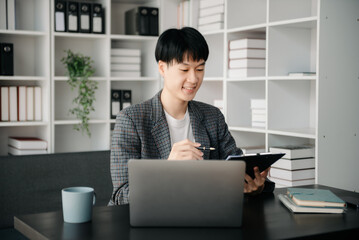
{"x":256,"y":185}
{"x":185,"y":150}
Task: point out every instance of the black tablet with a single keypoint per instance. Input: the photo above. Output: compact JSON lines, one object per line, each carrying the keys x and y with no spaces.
{"x":261,"y":160}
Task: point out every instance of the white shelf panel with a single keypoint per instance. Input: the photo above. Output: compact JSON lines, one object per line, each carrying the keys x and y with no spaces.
{"x":306,"y":78}
{"x":257,"y":28}
{"x":23,"y":124}
{"x":247,"y":79}
{"x":23,"y":33}
{"x":79,"y":35}
{"x":130,"y":79}
{"x":302,"y":133}
{"x":133,"y":37}
{"x":308,"y":22}
{"x":23,"y":78}
{"x":64,"y":78}
{"x":71,"y":122}
{"x":247,"y":129}
{"x":212,"y":79}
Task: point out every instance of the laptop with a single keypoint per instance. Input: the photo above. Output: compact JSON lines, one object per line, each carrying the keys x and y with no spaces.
{"x":205,"y":193}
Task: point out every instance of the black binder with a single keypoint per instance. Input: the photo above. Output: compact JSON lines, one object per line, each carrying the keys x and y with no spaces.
{"x":6,"y":59}
{"x":60,"y":16}
{"x":126,"y":99}
{"x":85,"y":18}
{"x":72,"y":17}
{"x":137,"y":21}
{"x":98,"y":18}
{"x":115,"y":102}
{"x":153,"y":21}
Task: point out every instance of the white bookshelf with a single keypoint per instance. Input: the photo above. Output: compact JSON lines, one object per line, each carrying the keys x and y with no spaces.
{"x":300,"y":36}
{"x":31,"y":40}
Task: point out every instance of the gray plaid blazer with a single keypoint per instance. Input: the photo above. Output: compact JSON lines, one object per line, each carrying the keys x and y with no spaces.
{"x":141,"y":132}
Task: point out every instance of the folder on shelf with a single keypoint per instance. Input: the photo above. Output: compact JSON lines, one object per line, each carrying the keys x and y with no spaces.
{"x":85,"y":17}
{"x":137,"y":21}
{"x":37,"y":104}
{"x":21,"y":101}
{"x":126,"y":99}
{"x":115,"y":102}
{"x":3,"y":20}
{"x":153,"y":21}
{"x":10,"y":8}
{"x":72,"y":17}
{"x":6,"y":59}
{"x":30,"y":103}
{"x":60,"y":16}
{"x":4,"y":104}
{"x":98,"y":18}
{"x":12,"y":103}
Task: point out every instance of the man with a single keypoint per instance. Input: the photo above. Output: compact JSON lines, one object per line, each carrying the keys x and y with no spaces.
{"x":171,"y":125}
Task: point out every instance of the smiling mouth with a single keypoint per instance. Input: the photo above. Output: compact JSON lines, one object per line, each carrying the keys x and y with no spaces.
{"x":189,"y":88}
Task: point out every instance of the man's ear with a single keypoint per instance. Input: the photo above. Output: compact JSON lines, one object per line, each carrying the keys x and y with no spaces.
{"x":161,"y":67}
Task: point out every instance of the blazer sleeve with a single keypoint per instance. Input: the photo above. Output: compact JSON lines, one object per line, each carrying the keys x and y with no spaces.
{"x":125,"y":145}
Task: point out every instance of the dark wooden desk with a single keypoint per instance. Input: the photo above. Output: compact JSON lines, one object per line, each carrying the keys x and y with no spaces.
{"x":264,"y":217}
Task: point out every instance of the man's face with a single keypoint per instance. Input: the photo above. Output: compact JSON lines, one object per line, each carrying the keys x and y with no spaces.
{"x":182,"y":80}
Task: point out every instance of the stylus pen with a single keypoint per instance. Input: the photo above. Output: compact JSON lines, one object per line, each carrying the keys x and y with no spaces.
{"x":206,"y":148}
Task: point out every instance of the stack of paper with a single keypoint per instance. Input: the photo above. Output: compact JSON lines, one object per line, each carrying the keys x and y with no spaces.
{"x":26,"y":146}
{"x":305,"y":200}
{"x":247,"y":57}
{"x":296,"y":168}
{"x":125,"y":62}
{"x":211,"y":15}
{"x":259,"y":113}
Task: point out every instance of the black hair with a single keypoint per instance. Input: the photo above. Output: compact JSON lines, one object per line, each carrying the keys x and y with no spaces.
{"x":173,"y":44}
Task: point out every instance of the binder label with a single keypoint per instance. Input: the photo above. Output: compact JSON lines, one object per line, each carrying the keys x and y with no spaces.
{"x":85,"y":22}
{"x":97,"y":24}
{"x":72,"y":23}
{"x":60,"y":21}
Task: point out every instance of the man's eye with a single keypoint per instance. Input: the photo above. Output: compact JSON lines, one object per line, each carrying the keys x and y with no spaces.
{"x":200,"y":69}
{"x":184,"y":70}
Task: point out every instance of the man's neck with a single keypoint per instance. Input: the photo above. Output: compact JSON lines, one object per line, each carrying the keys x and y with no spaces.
{"x":174,"y":107}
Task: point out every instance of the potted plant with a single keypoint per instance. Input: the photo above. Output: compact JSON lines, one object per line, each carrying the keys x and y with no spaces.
{"x":80,"y":69}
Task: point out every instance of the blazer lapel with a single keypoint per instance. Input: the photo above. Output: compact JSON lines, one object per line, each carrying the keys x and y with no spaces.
{"x":199,"y":131}
{"x":160,"y":131}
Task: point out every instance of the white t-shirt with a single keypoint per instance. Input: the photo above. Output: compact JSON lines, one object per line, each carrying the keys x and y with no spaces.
{"x":180,"y":129}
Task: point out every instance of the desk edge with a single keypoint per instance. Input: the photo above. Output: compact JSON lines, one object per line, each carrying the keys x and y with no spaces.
{"x":26,"y":230}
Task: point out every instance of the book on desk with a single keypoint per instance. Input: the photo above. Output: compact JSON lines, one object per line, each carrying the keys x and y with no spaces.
{"x":303,"y":200}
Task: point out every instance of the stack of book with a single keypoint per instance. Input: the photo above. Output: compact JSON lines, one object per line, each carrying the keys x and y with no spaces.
{"x":247,"y":57}
{"x":259,"y":113}
{"x":211,"y":15}
{"x":296,"y":168}
{"x":26,"y":146}
{"x":305,"y":200}
{"x":20,"y":103}
{"x":125,"y":62}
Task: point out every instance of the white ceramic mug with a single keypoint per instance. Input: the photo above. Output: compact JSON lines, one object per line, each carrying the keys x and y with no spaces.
{"x":77,"y":204}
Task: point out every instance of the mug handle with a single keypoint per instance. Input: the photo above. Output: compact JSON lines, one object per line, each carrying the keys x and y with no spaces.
{"x":94,"y":198}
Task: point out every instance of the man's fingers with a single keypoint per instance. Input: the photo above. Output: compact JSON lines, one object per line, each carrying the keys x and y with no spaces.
{"x":257,"y":173}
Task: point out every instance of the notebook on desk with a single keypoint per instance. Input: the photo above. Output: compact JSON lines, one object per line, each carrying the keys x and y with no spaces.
{"x":186,"y":193}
